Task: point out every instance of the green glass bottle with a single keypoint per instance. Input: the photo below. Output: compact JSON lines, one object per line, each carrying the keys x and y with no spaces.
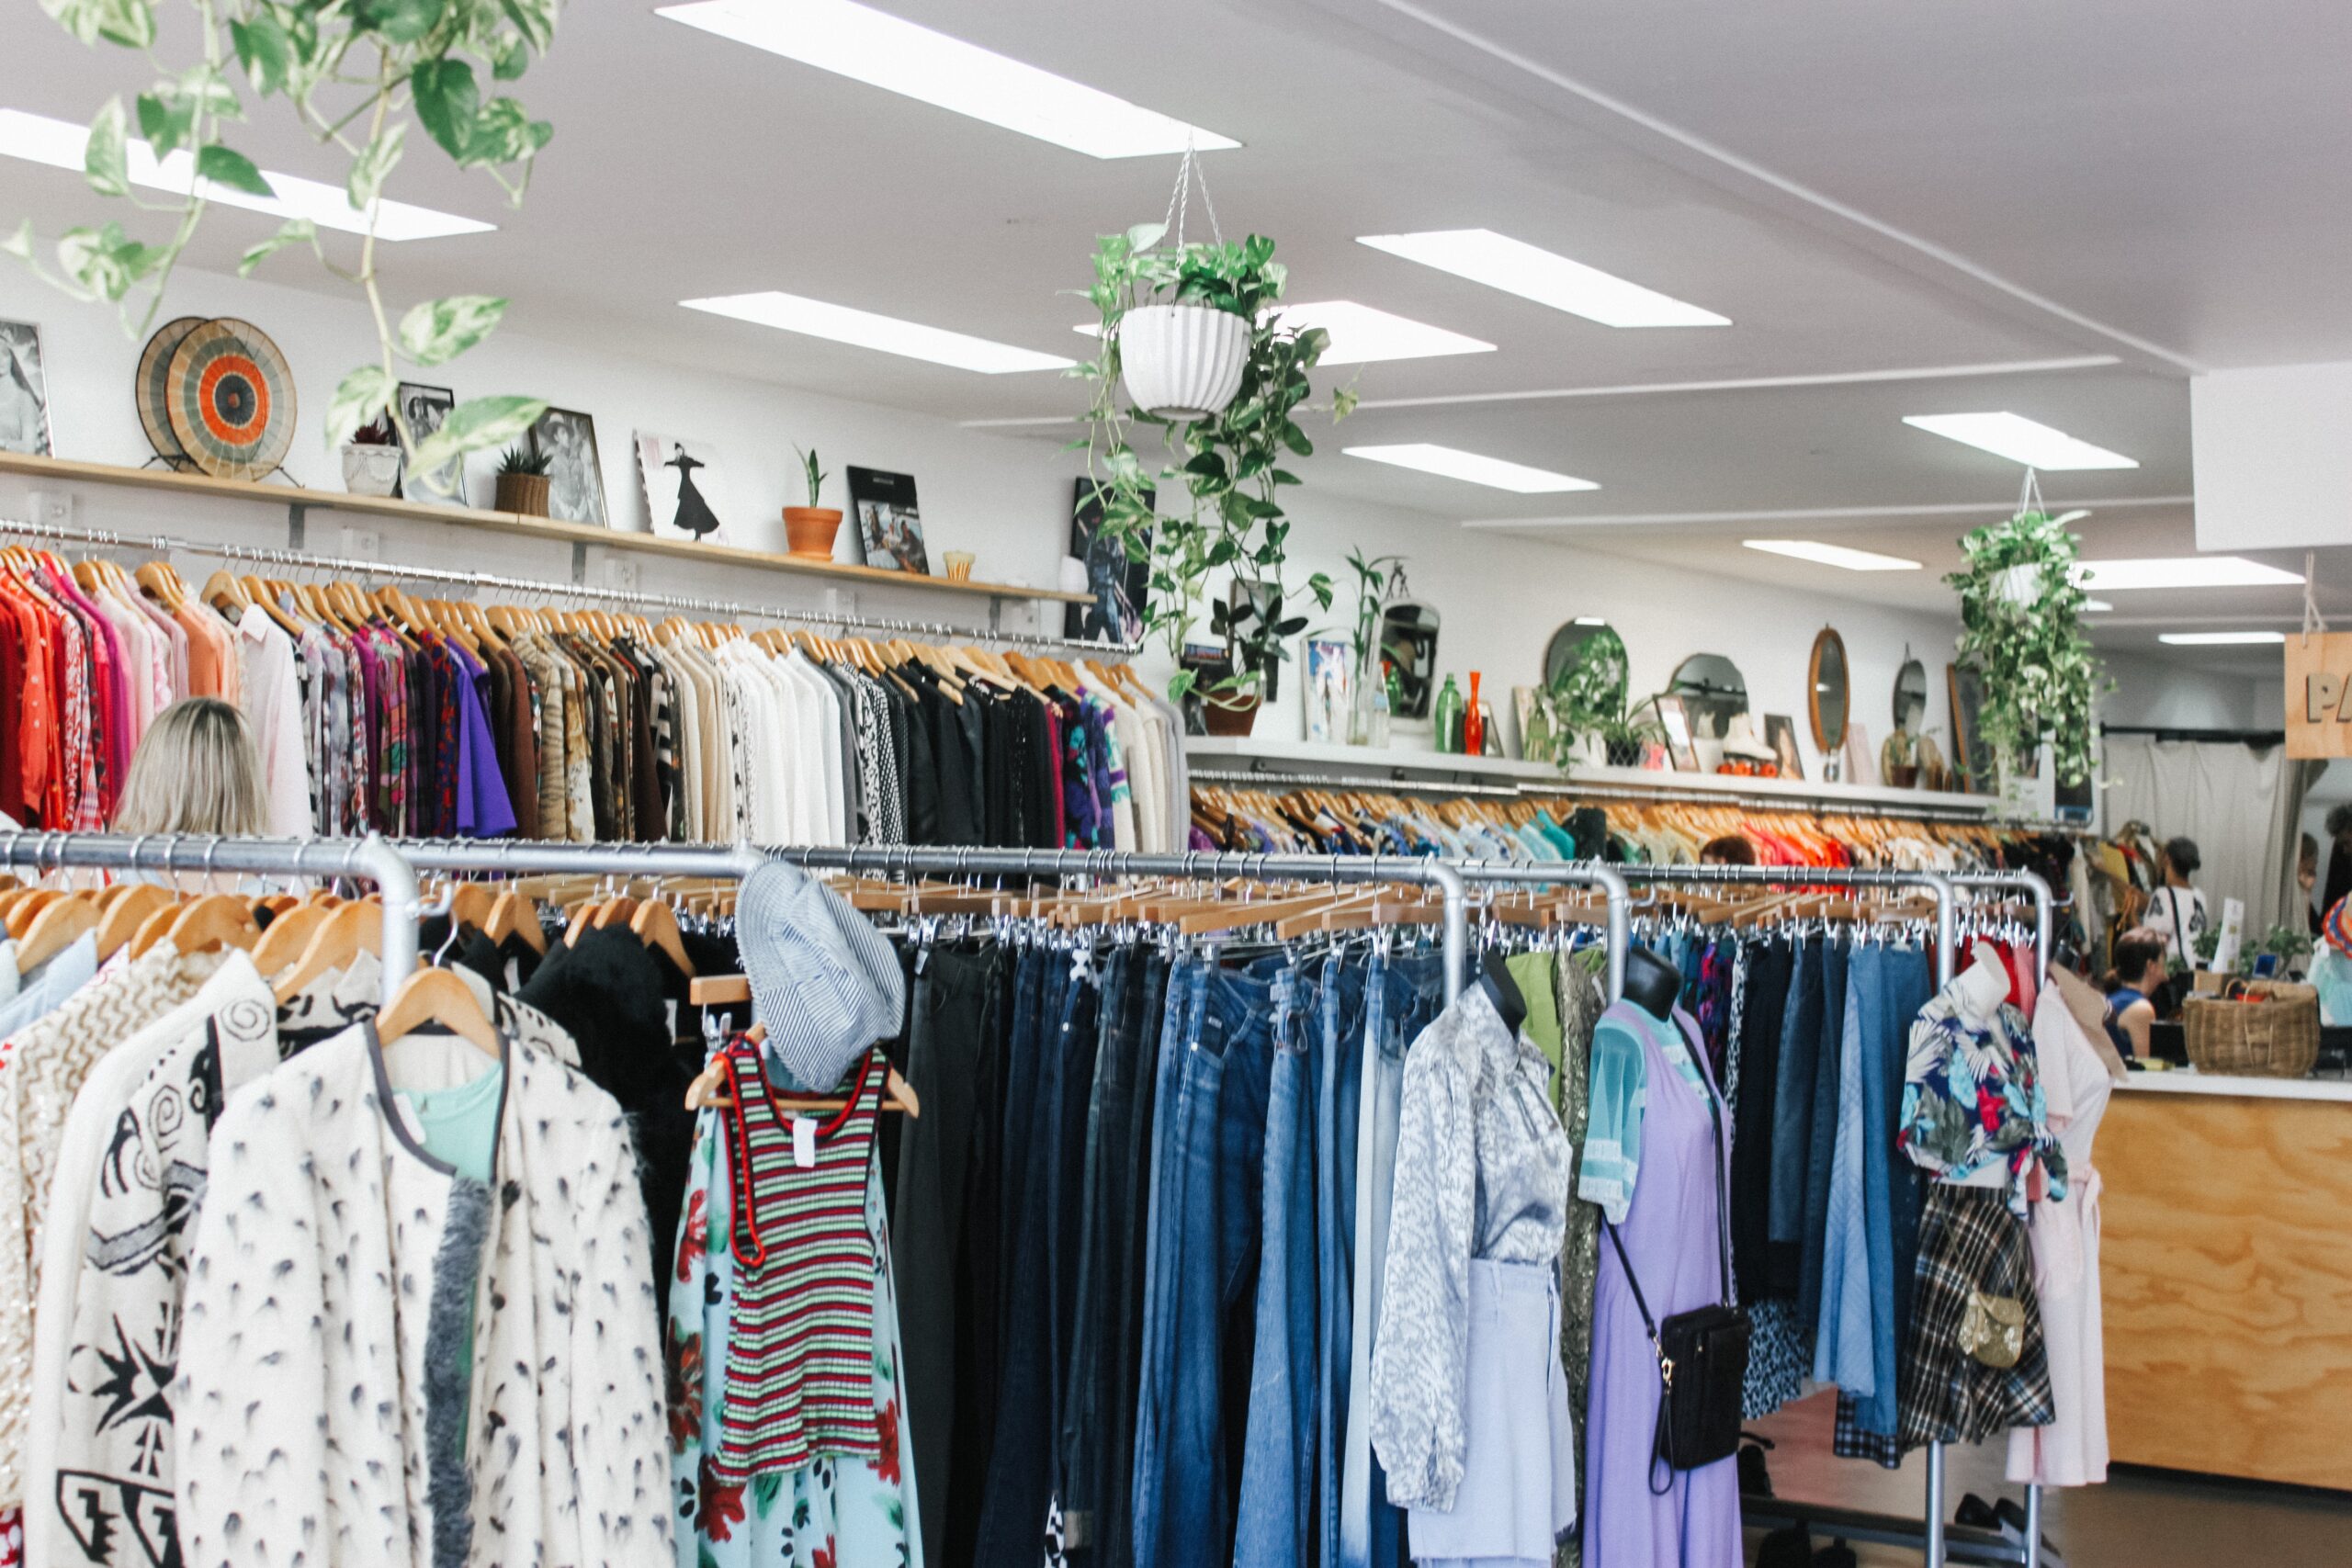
{"x":1445,"y":718}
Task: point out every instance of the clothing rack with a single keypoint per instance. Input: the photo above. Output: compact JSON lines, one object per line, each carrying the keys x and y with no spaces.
{"x":1584,"y":874}
{"x":371,"y":859}
{"x":1935,"y":1539}
{"x":523,"y":587}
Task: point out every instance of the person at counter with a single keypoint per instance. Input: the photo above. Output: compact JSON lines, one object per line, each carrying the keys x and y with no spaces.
{"x":2131,"y":1003}
{"x":2332,"y":965}
{"x":2176,"y":911}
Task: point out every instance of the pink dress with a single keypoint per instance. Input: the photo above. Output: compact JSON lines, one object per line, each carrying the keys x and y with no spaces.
{"x":2072,"y":1450}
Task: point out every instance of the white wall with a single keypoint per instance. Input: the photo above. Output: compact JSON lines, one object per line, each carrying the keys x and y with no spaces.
{"x":2157,"y":692}
{"x":1006,"y":500}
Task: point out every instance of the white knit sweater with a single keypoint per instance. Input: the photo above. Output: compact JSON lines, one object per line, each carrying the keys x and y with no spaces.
{"x":321,"y":1415}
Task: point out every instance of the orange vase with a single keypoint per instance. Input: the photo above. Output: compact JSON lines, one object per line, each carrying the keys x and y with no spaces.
{"x":1474,"y":723}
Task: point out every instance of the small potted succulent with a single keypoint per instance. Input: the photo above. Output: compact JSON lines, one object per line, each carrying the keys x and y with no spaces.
{"x":371,"y":459}
{"x":522,"y":481}
{"x":809,"y":530}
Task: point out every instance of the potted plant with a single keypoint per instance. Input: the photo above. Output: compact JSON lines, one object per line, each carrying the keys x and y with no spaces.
{"x":809,"y":530}
{"x":372,"y":459}
{"x":1588,"y":701}
{"x":2020,"y":614}
{"x":1228,"y":457}
{"x":1376,"y":579}
{"x":523,"y":482}
{"x":1898,"y":759}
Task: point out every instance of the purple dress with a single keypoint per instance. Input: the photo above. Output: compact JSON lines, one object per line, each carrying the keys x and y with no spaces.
{"x":1672,"y":1234}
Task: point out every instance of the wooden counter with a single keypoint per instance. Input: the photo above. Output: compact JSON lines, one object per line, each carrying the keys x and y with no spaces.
{"x":2226,"y":1265}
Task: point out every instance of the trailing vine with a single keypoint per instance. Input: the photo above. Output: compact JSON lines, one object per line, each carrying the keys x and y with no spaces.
{"x":2041,"y":676}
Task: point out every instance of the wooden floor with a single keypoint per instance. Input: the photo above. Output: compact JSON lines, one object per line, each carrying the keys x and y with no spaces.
{"x":2140,"y":1519}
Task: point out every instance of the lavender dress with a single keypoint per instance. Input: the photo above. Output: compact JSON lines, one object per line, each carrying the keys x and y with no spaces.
{"x":1672,"y":1234}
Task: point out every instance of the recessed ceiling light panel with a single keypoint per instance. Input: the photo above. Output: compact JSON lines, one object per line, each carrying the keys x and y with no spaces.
{"x":2220,"y":639}
{"x":1838,"y":555}
{"x":1531,"y":273}
{"x":2020,"y":440}
{"x":61,"y":144}
{"x":1452,"y":463}
{"x":1360,"y":333}
{"x":2182,"y":571}
{"x":796,"y":313}
{"x":890,"y":52}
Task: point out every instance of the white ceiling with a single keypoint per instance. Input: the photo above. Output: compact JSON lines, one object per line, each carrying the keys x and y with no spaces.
{"x":1940,"y":206}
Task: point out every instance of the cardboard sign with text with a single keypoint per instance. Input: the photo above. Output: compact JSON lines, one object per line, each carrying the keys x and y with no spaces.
{"x":2319,"y":695}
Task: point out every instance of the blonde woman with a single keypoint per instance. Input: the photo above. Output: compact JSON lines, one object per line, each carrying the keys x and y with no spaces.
{"x":196,"y":771}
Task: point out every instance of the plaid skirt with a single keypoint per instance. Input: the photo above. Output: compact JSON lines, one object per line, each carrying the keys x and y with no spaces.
{"x":1969,"y":1241}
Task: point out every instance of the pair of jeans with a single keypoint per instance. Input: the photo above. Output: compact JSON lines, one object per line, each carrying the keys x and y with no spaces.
{"x":1339,"y":1080}
{"x":1130,"y":1209}
{"x":1821,"y":1152}
{"x":935,"y":1171}
{"x":1402,"y":995}
{"x":1207,"y":1250}
{"x":1020,"y":1461}
{"x":1276,"y":1511}
{"x":980,"y":1272}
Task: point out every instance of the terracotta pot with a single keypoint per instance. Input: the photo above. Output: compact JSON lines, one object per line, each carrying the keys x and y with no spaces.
{"x":1231,"y":715}
{"x":810,"y":529}
{"x":526,"y":494}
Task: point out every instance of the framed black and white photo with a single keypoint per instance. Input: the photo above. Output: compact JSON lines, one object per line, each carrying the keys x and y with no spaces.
{"x":684,"y":494}
{"x":1120,"y":586}
{"x":425,"y":408}
{"x":889,"y":523}
{"x":24,"y":393}
{"x":575,"y":475}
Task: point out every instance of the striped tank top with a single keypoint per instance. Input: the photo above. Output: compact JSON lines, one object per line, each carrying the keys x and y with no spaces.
{"x":800,"y":1341}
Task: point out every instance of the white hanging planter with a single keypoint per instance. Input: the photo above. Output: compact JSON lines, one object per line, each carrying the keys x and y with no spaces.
{"x":2018,"y":585}
{"x":1182,"y":361}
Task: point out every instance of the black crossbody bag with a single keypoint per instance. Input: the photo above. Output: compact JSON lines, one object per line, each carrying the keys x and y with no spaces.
{"x":1701,"y":1356}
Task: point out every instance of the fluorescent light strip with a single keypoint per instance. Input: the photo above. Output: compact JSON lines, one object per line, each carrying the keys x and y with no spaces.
{"x":1531,"y":273}
{"x":899,"y":56}
{"x":2220,"y":639}
{"x":1361,"y":334}
{"x":1452,"y":463}
{"x":2095,"y":605}
{"x":2182,"y":571}
{"x":840,"y":324}
{"x":2020,"y":440}
{"x":1831,"y":555}
{"x":61,"y":144}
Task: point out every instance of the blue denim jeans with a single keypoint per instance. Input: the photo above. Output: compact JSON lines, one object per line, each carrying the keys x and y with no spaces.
{"x":1206,"y":1244}
{"x":1278,"y":1465}
{"x":1402,"y":995}
{"x":1339,"y":1080}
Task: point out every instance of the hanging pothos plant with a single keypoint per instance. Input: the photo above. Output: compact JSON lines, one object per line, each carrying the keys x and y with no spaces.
{"x":2020,"y":617}
{"x":1228,"y":460}
{"x":355,"y":73}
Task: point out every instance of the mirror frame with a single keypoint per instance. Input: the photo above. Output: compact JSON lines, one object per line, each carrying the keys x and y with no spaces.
{"x":1911,"y":661}
{"x":1845,"y":696}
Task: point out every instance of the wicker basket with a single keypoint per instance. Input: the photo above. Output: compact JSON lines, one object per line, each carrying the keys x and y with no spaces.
{"x":2273,"y":1033}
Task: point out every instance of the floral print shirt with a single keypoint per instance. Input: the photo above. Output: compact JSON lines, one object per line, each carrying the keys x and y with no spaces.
{"x":830,"y":1513}
{"x":1972,"y":1108}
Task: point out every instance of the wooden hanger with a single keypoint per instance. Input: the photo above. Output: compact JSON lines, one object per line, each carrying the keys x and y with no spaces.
{"x":513,"y":915}
{"x":658,"y":926}
{"x":288,"y":935}
{"x":54,"y":929}
{"x":21,"y":910}
{"x":334,"y":945}
{"x":127,"y":907}
{"x":214,"y":920}
{"x":437,"y":996}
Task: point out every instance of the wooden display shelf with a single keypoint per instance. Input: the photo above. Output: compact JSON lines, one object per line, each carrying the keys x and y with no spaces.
{"x":62,"y":470}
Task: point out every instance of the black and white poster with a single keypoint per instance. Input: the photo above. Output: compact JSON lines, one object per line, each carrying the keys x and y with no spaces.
{"x":889,"y":523}
{"x":683,"y":495}
{"x":1120,"y":586}
{"x":24,"y":391}
{"x":425,"y":408}
{"x":575,"y":477}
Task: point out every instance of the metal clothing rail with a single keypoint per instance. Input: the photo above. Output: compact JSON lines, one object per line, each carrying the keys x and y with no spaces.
{"x":1585,"y":874}
{"x":721,"y":609}
{"x":371,"y":857}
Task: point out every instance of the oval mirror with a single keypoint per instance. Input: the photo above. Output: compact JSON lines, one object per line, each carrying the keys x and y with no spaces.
{"x":1911,"y":697}
{"x":1569,"y":642}
{"x":1829,"y":697}
{"x":1713,"y":690}
{"x":1408,"y":648}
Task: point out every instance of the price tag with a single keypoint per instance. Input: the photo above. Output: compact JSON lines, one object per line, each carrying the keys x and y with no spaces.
{"x":804,"y":1143}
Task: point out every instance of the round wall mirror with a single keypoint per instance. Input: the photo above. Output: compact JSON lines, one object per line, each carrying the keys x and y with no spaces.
{"x":1569,"y":642}
{"x":1911,"y":697}
{"x":1408,"y":647}
{"x":1713,"y":690}
{"x":1829,"y":695}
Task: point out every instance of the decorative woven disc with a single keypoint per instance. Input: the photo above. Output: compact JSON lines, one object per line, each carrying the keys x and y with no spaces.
{"x":230,"y":400}
{"x":154,"y":366}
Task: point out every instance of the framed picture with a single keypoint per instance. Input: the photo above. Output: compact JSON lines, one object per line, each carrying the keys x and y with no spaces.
{"x":1330,"y":668}
{"x":684,"y":493}
{"x":1122,"y":587}
{"x":575,"y":474}
{"x":889,"y":524}
{"x":1781,"y":735}
{"x":1972,"y":753}
{"x":1675,"y":719}
{"x":425,"y":408}
{"x":24,"y":393}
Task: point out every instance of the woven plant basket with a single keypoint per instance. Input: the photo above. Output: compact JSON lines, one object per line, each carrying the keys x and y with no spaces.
{"x":2272,"y":1034}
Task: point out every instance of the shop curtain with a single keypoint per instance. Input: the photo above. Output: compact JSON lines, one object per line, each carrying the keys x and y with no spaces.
{"x":2241,"y":806}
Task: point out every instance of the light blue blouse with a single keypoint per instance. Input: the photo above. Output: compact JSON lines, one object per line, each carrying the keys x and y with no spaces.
{"x":1619,"y":1092}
